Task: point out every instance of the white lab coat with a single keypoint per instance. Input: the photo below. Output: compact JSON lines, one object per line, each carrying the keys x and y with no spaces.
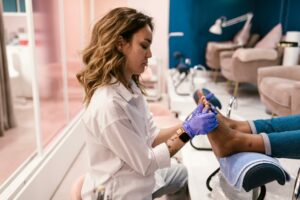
{"x":119,"y":133}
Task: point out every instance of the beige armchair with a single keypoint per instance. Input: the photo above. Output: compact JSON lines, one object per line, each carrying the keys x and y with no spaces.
{"x":241,"y":65}
{"x":213,"y":50}
{"x":279,"y":89}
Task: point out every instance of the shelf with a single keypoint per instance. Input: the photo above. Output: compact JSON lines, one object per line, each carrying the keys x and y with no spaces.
{"x":14,"y":14}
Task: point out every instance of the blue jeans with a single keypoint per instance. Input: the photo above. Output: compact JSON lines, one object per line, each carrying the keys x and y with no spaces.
{"x":283,"y":135}
{"x":172,"y":182}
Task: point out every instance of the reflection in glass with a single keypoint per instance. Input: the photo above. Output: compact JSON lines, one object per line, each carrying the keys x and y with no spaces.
{"x":19,"y":144}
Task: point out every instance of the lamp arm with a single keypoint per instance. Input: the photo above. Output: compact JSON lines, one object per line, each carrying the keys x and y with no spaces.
{"x":236,"y":20}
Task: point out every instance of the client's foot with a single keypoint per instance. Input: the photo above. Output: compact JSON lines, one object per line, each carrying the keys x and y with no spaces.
{"x":223,"y":140}
{"x":226,"y":141}
{"x":229,"y":122}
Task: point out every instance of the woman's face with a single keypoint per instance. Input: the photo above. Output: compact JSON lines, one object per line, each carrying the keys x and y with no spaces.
{"x":137,"y":51}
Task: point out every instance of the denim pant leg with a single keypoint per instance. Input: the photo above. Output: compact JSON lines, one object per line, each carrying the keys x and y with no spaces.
{"x":281,"y":135}
{"x":278,"y":124}
{"x":172,"y":182}
{"x":285,"y":144}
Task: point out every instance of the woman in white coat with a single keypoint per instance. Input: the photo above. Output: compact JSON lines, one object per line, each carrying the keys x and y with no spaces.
{"x":129,"y":156}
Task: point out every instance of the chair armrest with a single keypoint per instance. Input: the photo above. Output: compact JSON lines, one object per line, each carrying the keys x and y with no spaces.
{"x":295,"y":101}
{"x":292,"y":72}
{"x":255,"y":54}
{"x":226,"y":54}
{"x":222,"y":46}
{"x":297,"y":85}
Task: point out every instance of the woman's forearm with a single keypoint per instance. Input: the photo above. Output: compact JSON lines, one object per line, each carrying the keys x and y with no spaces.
{"x":175,"y":143}
{"x":166,"y":134}
{"x":174,"y":137}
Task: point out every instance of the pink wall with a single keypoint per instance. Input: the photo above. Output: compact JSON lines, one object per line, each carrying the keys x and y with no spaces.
{"x":72,"y":28}
{"x":72,"y":22}
{"x":103,"y":6}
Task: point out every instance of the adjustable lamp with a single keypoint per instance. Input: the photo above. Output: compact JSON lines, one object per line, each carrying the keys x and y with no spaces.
{"x":222,"y":22}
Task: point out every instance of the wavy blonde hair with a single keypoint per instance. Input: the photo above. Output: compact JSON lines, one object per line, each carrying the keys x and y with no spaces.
{"x":101,"y":57}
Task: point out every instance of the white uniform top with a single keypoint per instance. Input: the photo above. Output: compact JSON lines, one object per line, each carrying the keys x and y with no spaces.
{"x":119,"y":133}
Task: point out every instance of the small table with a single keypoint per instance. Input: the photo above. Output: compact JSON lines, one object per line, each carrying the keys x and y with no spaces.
{"x":290,"y":56}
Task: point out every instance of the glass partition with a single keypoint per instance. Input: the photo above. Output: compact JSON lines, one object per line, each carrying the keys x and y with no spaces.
{"x":18,"y":144}
{"x":59,"y":93}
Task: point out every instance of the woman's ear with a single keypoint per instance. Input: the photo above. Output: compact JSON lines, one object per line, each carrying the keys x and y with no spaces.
{"x":120,"y":43}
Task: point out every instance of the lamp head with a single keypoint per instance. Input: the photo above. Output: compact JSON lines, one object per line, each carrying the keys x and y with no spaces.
{"x":222,"y":22}
{"x":217,"y":27}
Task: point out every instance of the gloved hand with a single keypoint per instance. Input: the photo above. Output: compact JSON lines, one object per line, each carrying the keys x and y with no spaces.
{"x":207,"y":105}
{"x":197,"y":110}
{"x":202,"y":109}
{"x":201,"y":123}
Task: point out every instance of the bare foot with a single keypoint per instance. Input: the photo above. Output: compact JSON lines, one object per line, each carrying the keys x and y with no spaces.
{"x":222,"y":140}
{"x":226,"y":141}
{"x":229,"y":122}
{"x":242,"y":126}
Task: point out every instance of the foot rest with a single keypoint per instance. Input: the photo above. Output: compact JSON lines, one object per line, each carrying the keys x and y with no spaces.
{"x":262,"y":174}
{"x":250,"y":170}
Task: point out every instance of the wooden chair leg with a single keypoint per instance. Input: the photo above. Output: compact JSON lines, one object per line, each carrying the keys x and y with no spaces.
{"x":273,"y":115}
{"x":228,"y":84}
{"x":236,"y":87}
{"x":215,"y":75}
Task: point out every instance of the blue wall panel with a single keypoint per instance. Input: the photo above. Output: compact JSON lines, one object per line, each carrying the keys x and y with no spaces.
{"x":9,"y":6}
{"x":292,"y":21}
{"x":194,"y":18}
{"x":267,"y":14}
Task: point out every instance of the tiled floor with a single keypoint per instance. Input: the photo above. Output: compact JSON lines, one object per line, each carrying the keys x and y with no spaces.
{"x":201,"y":163}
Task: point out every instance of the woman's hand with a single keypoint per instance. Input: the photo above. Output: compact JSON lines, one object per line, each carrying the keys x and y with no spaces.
{"x":201,"y":122}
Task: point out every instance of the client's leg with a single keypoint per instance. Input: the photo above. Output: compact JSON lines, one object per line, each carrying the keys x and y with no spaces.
{"x":226,"y":141}
{"x":277,"y":124}
{"x":282,"y":144}
{"x":281,"y":135}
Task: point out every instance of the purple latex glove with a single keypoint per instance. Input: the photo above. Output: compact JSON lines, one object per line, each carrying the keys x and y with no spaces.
{"x":211,"y":108}
{"x":198,"y":110}
{"x":200,"y":123}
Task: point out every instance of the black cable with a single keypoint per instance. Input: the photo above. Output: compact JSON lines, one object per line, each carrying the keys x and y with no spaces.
{"x":262,"y":193}
{"x":210,"y":177}
{"x":199,"y":148}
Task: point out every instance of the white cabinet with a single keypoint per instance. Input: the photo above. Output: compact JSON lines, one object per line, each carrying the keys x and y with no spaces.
{"x":20,"y":70}
{"x":291,"y":54}
{"x":152,"y":79}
